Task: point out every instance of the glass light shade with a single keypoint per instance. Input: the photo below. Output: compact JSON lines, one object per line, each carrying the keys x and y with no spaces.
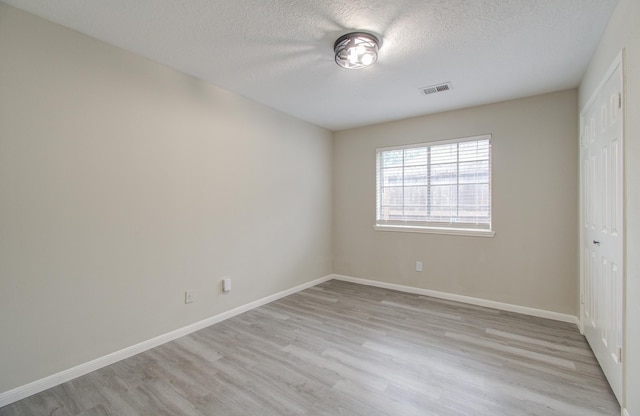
{"x":356,"y":50}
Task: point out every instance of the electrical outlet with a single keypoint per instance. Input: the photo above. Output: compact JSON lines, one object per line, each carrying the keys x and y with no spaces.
{"x":418,"y":266}
{"x":226,"y":284}
{"x":188,"y":296}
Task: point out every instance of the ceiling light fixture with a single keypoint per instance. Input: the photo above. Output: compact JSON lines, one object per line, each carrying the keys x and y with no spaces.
{"x":356,"y":50}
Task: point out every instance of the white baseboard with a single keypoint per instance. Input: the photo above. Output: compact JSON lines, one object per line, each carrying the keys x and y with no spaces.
{"x":463,"y":299}
{"x":53,"y":380}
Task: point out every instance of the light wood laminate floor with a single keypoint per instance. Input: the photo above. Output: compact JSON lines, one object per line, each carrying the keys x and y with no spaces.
{"x":345,"y":349}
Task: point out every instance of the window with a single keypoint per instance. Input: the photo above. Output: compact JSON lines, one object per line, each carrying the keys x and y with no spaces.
{"x":442,"y":187}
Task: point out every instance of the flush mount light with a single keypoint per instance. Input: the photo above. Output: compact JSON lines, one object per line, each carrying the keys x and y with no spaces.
{"x":356,"y":50}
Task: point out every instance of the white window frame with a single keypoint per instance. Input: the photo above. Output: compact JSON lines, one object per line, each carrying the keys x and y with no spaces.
{"x":450,"y":228}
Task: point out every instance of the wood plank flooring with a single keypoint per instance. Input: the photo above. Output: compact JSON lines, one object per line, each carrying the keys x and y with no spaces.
{"x":345,"y":349}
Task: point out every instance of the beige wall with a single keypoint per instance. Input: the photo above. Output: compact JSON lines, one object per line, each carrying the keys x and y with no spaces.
{"x":531,"y":261}
{"x":623,"y":31}
{"x":123,"y":183}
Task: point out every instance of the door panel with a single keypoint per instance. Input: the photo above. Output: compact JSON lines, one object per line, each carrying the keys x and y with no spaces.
{"x":601,"y":227}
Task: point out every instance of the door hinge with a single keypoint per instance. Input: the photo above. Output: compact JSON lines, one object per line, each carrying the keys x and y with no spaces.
{"x":619,"y":100}
{"x":619,"y":355}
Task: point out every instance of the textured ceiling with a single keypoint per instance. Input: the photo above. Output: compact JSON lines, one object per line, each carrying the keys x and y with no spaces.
{"x":280,"y":52}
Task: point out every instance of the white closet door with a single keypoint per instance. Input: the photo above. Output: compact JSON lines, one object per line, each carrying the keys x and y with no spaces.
{"x":601,"y":208}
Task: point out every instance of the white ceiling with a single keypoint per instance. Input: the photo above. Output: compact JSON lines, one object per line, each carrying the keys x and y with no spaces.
{"x":280,"y":52}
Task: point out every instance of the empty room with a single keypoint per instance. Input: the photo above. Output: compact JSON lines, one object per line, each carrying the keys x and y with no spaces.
{"x":243,"y":207}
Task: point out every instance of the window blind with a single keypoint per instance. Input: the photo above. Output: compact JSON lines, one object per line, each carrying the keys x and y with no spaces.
{"x":440,"y":184}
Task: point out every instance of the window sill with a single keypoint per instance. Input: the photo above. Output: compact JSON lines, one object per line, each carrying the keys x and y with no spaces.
{"x":469,"y":232}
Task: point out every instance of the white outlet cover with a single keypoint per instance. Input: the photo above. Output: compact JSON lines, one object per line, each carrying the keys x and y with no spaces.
{"x":188,"y":296}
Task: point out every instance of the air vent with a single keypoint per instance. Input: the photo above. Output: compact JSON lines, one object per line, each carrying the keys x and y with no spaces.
{"x":445,"y":86}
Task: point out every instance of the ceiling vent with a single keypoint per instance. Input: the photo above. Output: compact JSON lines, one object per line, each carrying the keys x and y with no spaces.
{"x":445,"y":86}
